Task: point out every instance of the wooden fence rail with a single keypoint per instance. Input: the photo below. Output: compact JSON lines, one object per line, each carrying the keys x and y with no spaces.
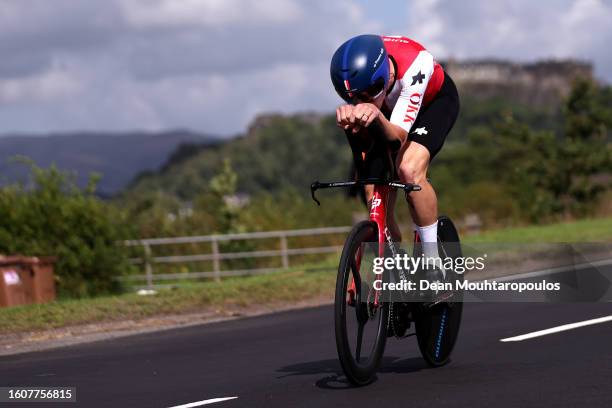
{"x":216,"y":256}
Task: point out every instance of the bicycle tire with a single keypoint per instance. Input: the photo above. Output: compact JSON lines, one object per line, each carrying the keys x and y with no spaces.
{"x":437,"y":327}
{"x":357,"y":372}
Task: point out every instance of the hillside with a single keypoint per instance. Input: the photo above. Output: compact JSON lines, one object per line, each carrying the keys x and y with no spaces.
{"x":119,"y":157}
{"x":279,"y":151}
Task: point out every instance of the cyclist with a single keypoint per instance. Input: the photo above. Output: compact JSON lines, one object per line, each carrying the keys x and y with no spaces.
{"x":394,"y":87}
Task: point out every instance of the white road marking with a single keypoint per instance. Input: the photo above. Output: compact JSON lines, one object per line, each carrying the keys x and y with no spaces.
{"x":203,"y":402}
{"x":558,"y":329}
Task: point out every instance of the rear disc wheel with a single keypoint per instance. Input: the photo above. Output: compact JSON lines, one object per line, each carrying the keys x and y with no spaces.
{"x":437,"y":327}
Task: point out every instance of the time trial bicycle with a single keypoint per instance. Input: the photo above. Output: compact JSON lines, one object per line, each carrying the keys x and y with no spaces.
{"x":359,"y":304}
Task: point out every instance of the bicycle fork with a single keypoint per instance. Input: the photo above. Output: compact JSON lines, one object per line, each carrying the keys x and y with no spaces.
{"x":378,"y":214}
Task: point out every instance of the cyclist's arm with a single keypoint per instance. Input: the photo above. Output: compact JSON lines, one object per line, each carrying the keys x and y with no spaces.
{"x":414,"y":83}
{"x":393,"y":132}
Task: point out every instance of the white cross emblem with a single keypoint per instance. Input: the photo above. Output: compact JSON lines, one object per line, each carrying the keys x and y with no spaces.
{"x":420,"y":131}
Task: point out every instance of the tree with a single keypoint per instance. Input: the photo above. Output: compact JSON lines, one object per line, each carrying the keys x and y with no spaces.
{"x":216,"y":200}
{"x":562,"y":175}
{"x":586,"y":153}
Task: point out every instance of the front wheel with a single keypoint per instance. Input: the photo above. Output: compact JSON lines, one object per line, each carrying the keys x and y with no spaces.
{"x":360,"y":320}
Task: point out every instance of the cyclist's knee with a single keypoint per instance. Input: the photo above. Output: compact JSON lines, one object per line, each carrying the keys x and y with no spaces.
{"x":412,"y":171}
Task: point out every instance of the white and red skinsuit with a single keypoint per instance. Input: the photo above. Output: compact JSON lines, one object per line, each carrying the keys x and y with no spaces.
{"x":419,"y":78}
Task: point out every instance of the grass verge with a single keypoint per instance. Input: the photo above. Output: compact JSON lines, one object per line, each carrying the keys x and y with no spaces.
{"x":275,"y":288}
{"x":587,"y":230}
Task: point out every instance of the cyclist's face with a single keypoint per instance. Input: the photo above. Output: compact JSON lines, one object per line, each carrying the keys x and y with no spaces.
{"x":377,"y":99}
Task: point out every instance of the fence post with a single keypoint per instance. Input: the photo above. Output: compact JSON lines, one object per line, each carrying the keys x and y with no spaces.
{"x":216,"y":265}
{"x":284,"y":253}
{"x":148,"y":266}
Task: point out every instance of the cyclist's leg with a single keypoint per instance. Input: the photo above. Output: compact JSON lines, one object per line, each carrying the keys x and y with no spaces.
{"x":424,"y":141}
{"x":412,"y":165}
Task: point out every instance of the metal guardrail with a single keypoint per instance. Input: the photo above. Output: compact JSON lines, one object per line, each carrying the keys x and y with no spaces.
{"x":216,"y":256}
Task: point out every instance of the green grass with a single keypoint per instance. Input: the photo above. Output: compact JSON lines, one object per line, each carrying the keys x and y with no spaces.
{"x":278,"y":288}
{"x":587,"y":230}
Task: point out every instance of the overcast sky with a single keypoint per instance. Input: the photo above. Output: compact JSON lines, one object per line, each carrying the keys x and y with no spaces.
{"x":212,"y":65}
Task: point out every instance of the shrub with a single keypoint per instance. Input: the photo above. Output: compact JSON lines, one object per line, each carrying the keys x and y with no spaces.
{"x":52,"y":217}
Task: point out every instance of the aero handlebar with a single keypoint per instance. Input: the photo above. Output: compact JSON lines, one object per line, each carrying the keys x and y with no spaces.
{"x":395,"y":184}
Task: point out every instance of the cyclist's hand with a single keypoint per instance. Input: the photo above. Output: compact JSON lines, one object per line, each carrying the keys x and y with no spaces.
{"x":343,"y":115}
{"x":364,"y":114}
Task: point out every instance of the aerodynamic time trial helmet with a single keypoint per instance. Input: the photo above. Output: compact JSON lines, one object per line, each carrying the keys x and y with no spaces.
{"x":360,"y":68}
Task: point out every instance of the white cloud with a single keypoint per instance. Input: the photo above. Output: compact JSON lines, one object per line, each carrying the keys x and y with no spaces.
{"x":154,"y":64}
{"x":582,"y":26}
{"x":219,"y":104}
{"x":521,"y":29}
{"x":211,"y":65}
{"x":54,"y":85}
{"x":427,"y":26}
{"x":211,"y":13}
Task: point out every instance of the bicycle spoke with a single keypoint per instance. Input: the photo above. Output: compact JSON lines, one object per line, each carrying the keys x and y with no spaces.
{"x":359,"y":312}
{"x":356,"y":276}
{"x":359,"y":341}
{"x":359,"y":307}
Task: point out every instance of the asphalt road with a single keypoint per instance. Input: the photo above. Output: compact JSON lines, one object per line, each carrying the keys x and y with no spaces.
{"x":289,"y":359}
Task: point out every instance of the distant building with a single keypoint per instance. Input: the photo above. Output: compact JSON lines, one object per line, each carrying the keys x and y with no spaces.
{"x":542,"y":82}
